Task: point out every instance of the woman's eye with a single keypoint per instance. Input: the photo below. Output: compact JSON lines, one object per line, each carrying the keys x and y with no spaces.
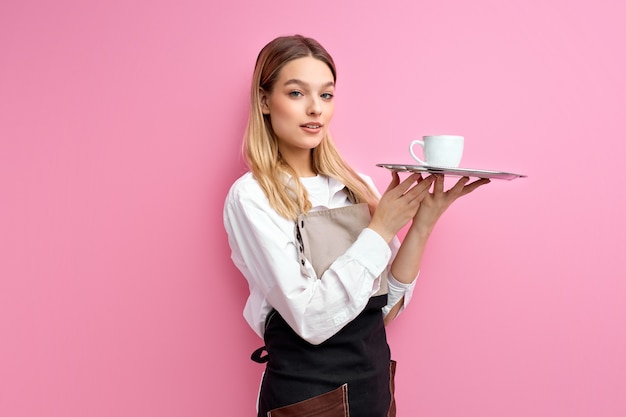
{"x":327,"y":96}
{"x":295,"y":94}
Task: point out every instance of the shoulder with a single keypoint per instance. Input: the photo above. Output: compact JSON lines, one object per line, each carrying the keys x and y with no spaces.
{"x":246,"y":203}
{"x":365,"y":178}
{"x":246,"y":197}
{"x":368,"y":180}
{"x":245,"y":188}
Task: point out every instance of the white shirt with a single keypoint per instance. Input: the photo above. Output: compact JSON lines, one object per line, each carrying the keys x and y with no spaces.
{"x":265,"y":251}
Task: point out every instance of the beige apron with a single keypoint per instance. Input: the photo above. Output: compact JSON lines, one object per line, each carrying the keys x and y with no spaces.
{"x":344,"y":224}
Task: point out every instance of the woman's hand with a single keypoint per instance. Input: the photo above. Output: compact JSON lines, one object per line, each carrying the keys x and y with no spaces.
{"x":399,"y":204}
{"x":434,"y":204}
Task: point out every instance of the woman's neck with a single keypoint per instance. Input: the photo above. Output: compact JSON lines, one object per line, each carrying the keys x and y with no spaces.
{"x":301,"y":163}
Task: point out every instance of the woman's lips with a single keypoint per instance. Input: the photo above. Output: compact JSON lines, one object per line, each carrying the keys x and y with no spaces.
{"x":312,"y":127}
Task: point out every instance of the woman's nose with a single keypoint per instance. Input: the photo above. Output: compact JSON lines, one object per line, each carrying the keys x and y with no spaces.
{"x":314,"y":106}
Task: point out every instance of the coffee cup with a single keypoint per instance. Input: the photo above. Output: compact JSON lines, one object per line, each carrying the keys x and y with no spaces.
{"x":439,"y":150}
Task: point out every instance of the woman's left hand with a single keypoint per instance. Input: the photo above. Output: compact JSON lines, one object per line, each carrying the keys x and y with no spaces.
{"x":436,"y":203}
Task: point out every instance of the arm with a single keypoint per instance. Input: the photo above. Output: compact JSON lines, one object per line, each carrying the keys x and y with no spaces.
{"x":264,"y":250}
{"x":406,"y":264}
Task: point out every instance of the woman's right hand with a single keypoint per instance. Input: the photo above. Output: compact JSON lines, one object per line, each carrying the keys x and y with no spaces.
{"x":399,"y":204}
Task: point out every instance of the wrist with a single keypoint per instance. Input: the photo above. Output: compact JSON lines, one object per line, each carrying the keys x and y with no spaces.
{"x":385,"y":234}
{"x":420,"y":231}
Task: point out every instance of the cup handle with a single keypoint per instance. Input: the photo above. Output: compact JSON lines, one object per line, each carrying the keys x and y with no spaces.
{"x":420,"y":143}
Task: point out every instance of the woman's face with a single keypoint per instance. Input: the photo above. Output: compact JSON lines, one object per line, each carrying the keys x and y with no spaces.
{"x":300,"y":106}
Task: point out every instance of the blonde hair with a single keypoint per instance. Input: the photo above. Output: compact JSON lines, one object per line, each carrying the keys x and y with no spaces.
{"x":289,"y":197}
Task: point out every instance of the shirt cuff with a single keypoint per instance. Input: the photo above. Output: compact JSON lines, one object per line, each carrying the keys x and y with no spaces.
{"x":397,"y":290}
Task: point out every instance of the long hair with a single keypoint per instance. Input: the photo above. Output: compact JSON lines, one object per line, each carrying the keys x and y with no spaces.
{"x":279,"y":181}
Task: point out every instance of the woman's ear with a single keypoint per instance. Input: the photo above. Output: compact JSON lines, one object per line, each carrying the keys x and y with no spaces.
{"x":264,"y":98}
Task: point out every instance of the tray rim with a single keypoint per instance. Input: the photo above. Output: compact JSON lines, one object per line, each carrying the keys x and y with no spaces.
{"x":463,"y":172}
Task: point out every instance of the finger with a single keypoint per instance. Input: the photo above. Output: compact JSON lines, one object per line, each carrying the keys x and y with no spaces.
{"x":395,"y":180}
{"x":423,"y":184}
{"x":438,"y":189}
{"x":474,"y":185}
{"x":404,"y":186}
{"x":419,"y":198}
{"x":396,"y":189}
{"x":458,"y":187}
{"x":420,"y":190}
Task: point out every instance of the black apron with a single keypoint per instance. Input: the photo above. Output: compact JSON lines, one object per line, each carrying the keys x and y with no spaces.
{"x":351,"y":373}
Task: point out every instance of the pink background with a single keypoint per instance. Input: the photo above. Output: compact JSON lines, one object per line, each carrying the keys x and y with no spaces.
{"x":120,"y":132}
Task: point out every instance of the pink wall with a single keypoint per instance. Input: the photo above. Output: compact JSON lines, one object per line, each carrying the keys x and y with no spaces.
{"x":120,"y":127}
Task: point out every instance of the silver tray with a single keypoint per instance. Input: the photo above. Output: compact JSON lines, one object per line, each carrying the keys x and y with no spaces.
{"x":457,"y":172}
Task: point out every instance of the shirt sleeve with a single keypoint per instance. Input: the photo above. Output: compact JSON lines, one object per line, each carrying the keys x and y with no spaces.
{"x":263,"y":248}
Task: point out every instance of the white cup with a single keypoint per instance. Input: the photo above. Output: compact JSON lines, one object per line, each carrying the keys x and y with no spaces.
{"x":439,"y":150}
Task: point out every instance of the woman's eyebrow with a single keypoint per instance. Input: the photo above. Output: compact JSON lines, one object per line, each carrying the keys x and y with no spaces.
{"x":304,"y":84}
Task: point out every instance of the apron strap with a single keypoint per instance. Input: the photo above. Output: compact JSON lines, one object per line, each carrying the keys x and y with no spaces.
{"x":256,"y":355}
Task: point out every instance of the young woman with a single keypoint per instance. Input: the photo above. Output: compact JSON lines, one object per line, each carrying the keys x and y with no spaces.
{"x":318,"y":246}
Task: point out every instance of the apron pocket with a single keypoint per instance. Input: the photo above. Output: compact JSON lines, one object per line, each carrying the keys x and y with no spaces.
{"x":330,"y":404}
